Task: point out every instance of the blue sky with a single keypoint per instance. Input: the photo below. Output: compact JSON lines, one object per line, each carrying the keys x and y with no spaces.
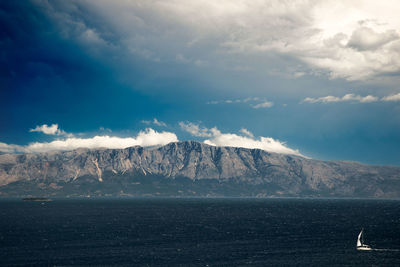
{"x":313,"y":78}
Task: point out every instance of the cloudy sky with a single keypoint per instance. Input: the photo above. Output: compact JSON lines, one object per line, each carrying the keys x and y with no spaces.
{"x":314,"y":78}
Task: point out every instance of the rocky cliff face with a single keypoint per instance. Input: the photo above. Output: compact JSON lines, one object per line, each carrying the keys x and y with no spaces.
{"x":190,"y":169}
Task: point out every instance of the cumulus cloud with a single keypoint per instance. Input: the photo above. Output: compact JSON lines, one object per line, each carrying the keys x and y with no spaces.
{"x":149,"y":137}
{"x":155,"y":122}
{"x":195,"y":129}
{"x":246,"y":132}
{"x":345,"y":98}
{"x":395,"y":97}
{"x":266,"y":104}
{"x":217,"y":138}
{"x":7,"y":148}
{"x":365,"y":38}
{"x":234,"y":140}
{"x":50,"y":130}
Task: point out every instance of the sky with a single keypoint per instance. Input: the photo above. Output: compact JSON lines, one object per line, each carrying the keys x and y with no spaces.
{"x":319,"y":79}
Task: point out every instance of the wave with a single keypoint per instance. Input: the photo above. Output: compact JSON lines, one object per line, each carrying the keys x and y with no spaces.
{"x":385,"y":249}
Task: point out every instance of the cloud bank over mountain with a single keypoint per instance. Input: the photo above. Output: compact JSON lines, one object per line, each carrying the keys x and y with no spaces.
{"x":149,"y":137}
{"x":217,"y":138}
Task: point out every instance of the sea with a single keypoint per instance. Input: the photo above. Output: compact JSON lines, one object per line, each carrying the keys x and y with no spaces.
{"x":199,"y":232}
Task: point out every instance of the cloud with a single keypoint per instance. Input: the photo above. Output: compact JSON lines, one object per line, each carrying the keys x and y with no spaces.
{"x":50,"y":130}
{"x":197,"y":62}
{"x":195,"y":129}
{"x":365,"y":38}
{"x":233,"y":101}
{"x":266,"y":104}
{"x":351,"y":98}
{"x":246,"y":132}
{"x":155,"y":122}
{"x":105,"y":129}
{"x":345,"y":98}
{"x":216,"y":138}
{"x":354,"y":40}
{"x":11,"y":148}
{"x":265,"y":143}
{"x":254,"y":102}
{"x":149,"y":137}
{"x":395,"y":97}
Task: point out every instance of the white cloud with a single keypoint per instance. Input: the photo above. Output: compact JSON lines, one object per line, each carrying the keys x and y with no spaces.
{"x":195,"y":129}
{"x":247,"y":132}
{"x":351,"y":98}
{"x":254,"y":102}
{"x":395,"y":97}
{"x":368,"y":98}
{"x":149,"y":137}
{"x":50,"y":130}
{"x":266,"y":104}
{"x":155,"y":122}
{"x":216,"y":138}
{"x":11,"y":148}
{"x":365,"y":38}
{"x":345,"y":98}
{"x":265,"y":143}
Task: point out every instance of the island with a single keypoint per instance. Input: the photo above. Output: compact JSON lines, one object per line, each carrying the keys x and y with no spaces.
{"x":40,"y":199}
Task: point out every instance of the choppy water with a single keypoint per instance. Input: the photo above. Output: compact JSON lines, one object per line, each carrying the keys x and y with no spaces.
{"x":199,"y":232}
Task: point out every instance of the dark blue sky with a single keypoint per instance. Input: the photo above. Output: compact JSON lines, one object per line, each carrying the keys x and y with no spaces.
{"x":95,"y":68}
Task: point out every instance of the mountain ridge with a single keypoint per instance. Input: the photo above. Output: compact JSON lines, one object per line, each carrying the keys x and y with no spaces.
{"x":202,"y":170}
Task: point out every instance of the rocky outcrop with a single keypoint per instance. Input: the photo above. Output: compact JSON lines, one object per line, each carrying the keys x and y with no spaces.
{"x":193,"y":169}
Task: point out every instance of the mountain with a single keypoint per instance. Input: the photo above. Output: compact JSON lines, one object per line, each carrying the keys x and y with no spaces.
{"x":190,"y":169}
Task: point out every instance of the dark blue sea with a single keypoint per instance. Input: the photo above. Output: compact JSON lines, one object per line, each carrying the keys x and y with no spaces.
{"x":198,"y":232}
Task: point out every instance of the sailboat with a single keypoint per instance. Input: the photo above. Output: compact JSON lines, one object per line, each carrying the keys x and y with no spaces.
{"x":360,"y":242}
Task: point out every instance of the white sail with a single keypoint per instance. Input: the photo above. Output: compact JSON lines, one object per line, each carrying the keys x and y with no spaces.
{"x":359,"y":244}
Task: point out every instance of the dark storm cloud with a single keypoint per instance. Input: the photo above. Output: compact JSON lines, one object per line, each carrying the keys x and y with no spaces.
{"x":49,"y":73}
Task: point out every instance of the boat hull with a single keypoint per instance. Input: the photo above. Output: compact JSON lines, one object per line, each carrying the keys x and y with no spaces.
{"x":364,"y":248}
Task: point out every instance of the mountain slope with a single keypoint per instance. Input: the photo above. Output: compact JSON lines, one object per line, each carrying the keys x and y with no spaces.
{"x":190,"y":169}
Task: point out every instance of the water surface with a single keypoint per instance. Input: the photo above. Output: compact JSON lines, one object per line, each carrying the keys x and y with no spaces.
{"x":198,"y":232}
